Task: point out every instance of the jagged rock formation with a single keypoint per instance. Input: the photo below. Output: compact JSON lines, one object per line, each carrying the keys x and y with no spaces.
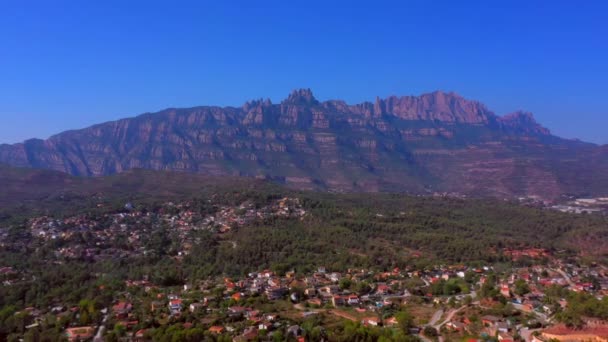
{"x":433,"y":142}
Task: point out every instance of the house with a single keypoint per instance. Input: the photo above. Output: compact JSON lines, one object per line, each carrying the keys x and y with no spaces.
{"x":175,"y":306}
{"x":504,"y":337}
{"x":140,"y":334}
{"x":128,"y":324}
{"x":121,"y":309}
{"x":249,"y":334}
{"x":370,"y":321}
{"x":504,"y":290}
{"x":255,"y":289}
{"x":196,"y":307}
{"x":382,"y":289}
{"x":353,"y":300}
{"x":455,"y":326}
{"x":337,"y":300}
{"x":489,"y":320}
{"x":274,"y":282}
{"x":274,"y":293}
{"x":216,"y":329}
{"x":236,"y":311}
{"x":294,"y":331}
{"x":155,"y":305}
{"x":267,"y":274}
{"x":502,"y":327}
{"x":264,"y":326}
{"x":271,"y":317}
{"x":391,"y":321}
{"x":311,"y":291}
{"x":252,"y":315}
{"x":330,"y":289}
{"x":79,"y":333}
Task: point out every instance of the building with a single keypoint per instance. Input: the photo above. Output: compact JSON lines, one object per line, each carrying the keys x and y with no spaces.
{"x":79,"y":333}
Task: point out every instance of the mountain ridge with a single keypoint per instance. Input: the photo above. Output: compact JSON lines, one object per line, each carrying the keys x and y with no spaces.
{"x":433,"y":142}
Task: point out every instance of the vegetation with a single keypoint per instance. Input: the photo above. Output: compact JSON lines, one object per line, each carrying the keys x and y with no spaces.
{"x":377,"y":232}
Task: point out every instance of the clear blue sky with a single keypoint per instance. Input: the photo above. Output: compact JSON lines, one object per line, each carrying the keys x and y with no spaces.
{"x":70,"y":64}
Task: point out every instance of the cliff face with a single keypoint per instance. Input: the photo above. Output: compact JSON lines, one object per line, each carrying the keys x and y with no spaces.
{"x":523,"y":122}
{"x":434,"y":142}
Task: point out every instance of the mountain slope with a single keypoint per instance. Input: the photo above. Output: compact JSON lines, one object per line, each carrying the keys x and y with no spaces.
{"x":25,"y":190}
{"x":433,"y":142}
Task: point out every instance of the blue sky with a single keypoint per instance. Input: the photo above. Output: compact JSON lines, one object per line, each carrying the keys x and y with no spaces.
{"x":70,"y":64}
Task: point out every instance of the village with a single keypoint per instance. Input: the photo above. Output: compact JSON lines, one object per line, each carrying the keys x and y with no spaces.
{"x":447,"y":303}
{"x":123,"y":234}
{"x":523,"y":300}
{"x":583,"y":205}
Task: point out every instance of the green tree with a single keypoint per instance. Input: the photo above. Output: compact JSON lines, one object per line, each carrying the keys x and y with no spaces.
{"x":521,"y":287}
{"x":405,"y":321}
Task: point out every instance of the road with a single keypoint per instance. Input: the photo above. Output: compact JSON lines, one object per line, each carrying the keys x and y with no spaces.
{"x":436,"y":317}
{"x":99,"y":336}
{"x":526,"y":334}
{"x":566,"y":276}
{"x":301,"y":307}
{"x":449,"y":317}
{"x":541,"y":316}
{"x":424,"y":338}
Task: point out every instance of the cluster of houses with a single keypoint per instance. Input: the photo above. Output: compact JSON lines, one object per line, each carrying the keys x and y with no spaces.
{"x":339,"y":293}
{"x":231,"y":306}
{"x":309,"y":294}
{"x":584,"y":206}
{"x":96,"y":239}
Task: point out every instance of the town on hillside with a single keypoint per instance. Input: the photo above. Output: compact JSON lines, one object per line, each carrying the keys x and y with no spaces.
{"x":528,"y":294}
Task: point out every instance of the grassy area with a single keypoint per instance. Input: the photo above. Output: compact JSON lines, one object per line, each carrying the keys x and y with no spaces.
{"x":422,"y":313}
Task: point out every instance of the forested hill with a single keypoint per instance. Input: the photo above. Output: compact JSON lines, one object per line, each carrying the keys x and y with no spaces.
{"x":345,"y":230}
{"x":39,"y":189}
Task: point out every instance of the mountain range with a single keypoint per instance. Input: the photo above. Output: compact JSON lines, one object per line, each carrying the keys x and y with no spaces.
{"x":436,"y":142}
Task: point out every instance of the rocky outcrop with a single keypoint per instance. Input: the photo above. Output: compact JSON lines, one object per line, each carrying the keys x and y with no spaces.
{"x":523,"y":122}
{"x":437,"y":106}
{"x":433,"y":142}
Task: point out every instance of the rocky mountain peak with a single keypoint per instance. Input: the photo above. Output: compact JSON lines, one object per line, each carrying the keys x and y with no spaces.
{"x":256,"y":103}
{"x":301,"y":97}
{"x":435,"y":106}
{"x":524,"y":122}
{"x":438,"y":141}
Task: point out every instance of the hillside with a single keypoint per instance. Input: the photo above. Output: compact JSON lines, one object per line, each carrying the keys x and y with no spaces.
{"x":144,"y":236}
{"x":26,"y":190}
{"x":358,"y":224}
{"x":437,"y":142}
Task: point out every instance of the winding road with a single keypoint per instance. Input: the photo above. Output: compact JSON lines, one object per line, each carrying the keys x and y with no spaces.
{"x":436,"y":317}
{"x":99,"y":336}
